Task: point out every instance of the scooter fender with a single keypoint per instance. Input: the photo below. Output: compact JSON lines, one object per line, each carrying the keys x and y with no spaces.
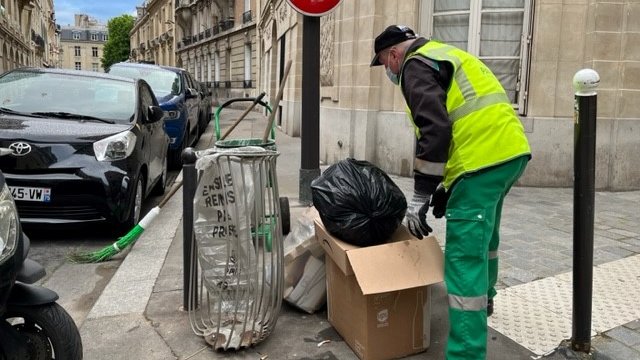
{"x":30,"y":295}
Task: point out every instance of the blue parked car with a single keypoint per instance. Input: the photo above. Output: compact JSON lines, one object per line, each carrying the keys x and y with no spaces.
{"x":178,"y":95}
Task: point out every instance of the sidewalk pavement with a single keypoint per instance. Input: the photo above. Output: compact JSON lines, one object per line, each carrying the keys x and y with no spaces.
{"x":139,"y":314}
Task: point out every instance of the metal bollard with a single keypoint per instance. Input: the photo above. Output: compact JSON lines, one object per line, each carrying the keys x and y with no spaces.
{"x":585,"y":83}
{"x":190,"y":272}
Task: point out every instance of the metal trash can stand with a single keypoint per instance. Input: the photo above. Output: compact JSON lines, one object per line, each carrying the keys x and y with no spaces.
{"x":239,"y":246}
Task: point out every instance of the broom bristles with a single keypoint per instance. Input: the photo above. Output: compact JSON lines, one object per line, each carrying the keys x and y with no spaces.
{"x":108,"y":252}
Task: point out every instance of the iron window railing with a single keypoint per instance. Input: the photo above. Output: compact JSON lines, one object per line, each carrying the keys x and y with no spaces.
{"x":246,"y":17}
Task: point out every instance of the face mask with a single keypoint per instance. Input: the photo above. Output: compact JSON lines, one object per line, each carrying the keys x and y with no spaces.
{"x":393,"y":77}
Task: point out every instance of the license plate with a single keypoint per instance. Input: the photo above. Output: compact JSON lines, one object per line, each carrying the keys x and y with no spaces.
{"x":31,"y":193}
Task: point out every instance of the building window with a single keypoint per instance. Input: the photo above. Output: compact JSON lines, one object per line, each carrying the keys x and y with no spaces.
{"x":77,"y":50}
{"x":493,"y":31}
{"x":76,"y":36}
{"x":78,"y":65}
{"x":247,"y":65}
{"x":105,"y":37}
{"x":216,"y":65}
{"x":94,"y":51}
{"x":95,"y":67}
{"x":94,"y":37}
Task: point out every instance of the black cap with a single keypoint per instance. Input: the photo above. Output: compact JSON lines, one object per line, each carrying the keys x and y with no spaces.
{"x":393,"y":34}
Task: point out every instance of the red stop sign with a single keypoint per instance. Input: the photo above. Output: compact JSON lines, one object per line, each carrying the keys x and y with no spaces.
{"x":314,"y":7}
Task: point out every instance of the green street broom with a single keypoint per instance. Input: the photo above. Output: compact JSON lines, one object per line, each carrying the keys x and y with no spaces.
{"x":123,"y":242}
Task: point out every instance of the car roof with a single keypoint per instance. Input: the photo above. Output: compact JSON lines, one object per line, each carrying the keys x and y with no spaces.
{"x":82,"y":73}
{"x":150,"y":66}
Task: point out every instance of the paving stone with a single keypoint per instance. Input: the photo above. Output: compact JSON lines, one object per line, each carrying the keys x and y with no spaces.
{"x":609,"y":234}
{"x":524,"y":276}
{"x":634,"y":325}
{"x":633,"y":248}
{"x":509,"y":281}
{"x":604,"y":257}
{"x":635,"y":241}
{"x":610,"y":349}
{"x":617,"y":251}
{"x":624,"y":232}
{"x":626,"y":336}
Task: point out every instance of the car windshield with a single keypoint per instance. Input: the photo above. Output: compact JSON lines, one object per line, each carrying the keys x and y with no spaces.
{"x":163,"y":82}
{"x":76,"y":96}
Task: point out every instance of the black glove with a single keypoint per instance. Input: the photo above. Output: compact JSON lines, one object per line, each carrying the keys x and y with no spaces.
{"x":416,"y":217}
{"x":439,"y":201}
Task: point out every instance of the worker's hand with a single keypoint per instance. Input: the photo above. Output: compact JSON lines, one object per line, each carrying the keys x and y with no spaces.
{"x":439,"y":201}
{"x":416,"y":217}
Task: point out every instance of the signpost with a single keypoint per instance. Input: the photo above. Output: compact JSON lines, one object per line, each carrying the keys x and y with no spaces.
{"x":310,"y":122}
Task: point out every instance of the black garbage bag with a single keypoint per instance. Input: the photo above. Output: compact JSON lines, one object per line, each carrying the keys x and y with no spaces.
{"x":358,"y":202}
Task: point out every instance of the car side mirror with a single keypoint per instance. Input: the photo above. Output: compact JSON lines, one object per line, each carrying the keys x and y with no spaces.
{"x":192,"y":93}
{"x":155,"y":114}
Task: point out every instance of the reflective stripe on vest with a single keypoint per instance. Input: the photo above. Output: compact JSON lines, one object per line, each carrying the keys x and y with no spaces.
{"x":493,"y":255}
{"x":468,"y":303}
{"x":485,"y":129}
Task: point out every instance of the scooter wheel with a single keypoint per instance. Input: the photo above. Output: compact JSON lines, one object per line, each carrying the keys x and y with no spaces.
{"x":48,"y":330}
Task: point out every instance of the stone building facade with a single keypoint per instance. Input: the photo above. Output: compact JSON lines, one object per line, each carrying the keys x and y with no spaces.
{"x":216,"y":43}
{"x":28,"y":34}
{"x":152,"y":36}
{"x":81,"y":45}
{"x":534,"y":47}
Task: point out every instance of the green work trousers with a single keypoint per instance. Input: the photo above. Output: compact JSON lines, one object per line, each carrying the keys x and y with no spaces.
{"x":471,"y":261}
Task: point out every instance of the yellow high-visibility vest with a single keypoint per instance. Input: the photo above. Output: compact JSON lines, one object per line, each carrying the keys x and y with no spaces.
{"x":486,"y":129}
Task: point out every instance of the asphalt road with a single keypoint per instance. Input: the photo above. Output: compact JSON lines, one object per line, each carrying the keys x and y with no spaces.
{"x":78,"y":285}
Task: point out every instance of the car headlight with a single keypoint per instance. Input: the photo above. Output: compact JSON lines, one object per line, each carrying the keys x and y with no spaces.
{"x":116,"y":147}
{"x":8,"y":223}
{"x":172,"y":114}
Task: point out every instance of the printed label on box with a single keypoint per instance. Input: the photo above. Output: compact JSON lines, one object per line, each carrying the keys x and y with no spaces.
{"x":383,"y":318}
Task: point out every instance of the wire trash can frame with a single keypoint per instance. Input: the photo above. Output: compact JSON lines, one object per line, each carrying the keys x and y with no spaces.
{"x":239,"y":247}
{"x":250,"y":142}
{"x":269,"y":144}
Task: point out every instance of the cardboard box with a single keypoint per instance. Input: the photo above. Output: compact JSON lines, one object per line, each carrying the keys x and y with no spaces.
{"x":378,"y":297}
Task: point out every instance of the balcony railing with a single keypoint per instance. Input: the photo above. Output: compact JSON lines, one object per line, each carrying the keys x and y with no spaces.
{"x":217,"y":28}
{"x":226,"y":24}
{"x":246,"y":17}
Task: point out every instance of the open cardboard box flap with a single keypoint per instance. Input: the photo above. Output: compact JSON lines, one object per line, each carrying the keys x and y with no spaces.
{"x":405,"y":262}
{"x":398,"y":265}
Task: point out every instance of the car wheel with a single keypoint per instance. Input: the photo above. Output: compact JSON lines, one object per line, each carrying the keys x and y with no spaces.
{"x":201,"y":125}
{"x":135,"y":206}
{"x":161,"y":185}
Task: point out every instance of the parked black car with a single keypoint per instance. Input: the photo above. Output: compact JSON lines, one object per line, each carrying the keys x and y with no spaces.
{"x":86,"y":146}
{"x":179,"y":96}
